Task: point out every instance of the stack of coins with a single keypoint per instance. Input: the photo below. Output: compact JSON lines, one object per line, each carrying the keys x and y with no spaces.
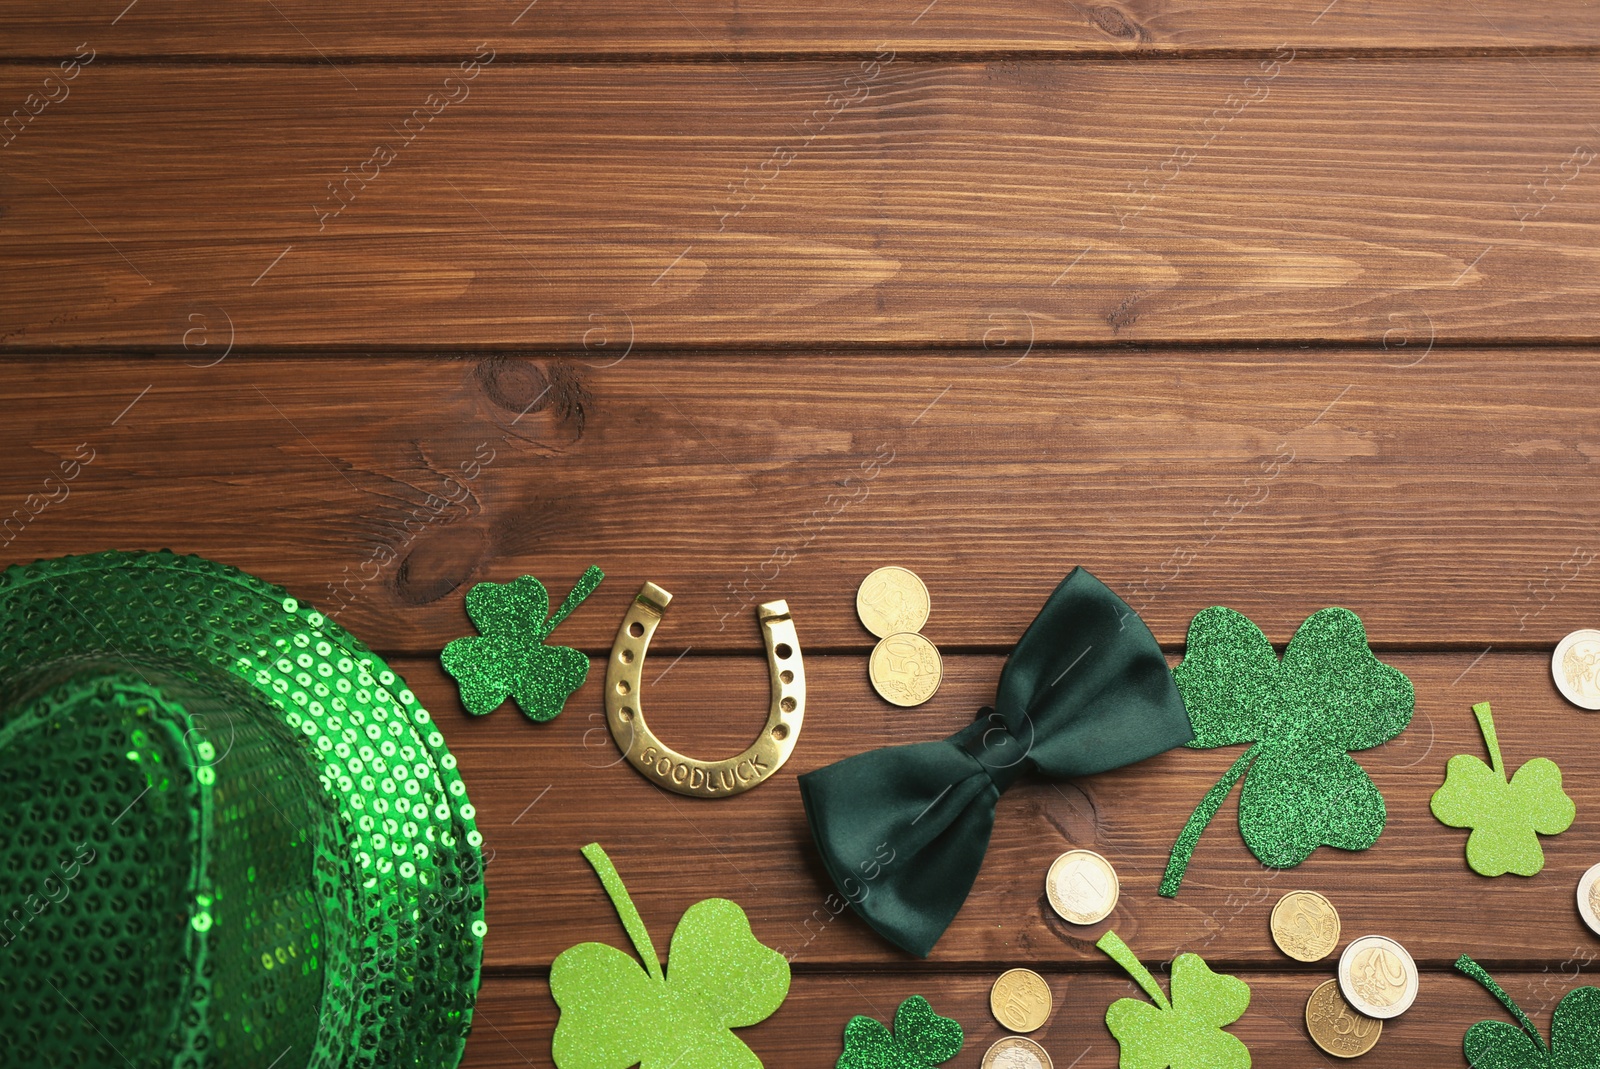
{"x":905,"y":668}
{"x":1376,"y":977}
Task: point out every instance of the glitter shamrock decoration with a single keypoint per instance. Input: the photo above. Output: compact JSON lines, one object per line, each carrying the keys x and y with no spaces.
{"x":1328,"y":695}
{"x":615,"y":1014}
{"x":1185,"y":1033}
{"x":508,"y":657}
{"x":1506,"y":816}
{"x":921,"y":1039}
{"x":1574,"y":1031}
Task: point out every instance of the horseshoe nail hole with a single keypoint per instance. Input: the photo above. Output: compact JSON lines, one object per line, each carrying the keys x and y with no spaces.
{"x":783,"y":651}
{"x":781,"y":732}
{"x":627,"y":656}
{"x":626,"y":714}
{"x":636,"y":629}
{"x":787,"y":705}
{"x":786,"y":676}
{"x":623,"y":686}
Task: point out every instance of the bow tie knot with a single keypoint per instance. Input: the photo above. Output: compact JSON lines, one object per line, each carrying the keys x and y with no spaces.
{"x":989,"y":741}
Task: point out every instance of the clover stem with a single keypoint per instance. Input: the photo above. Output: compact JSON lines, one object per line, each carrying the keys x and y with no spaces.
{"x":1486,"y":725}
{"x":1471,"y":968}
{"x":1189,"y":838}
{"x":1123,"y":956}
{"x":581,"y":589}
{"x":631,"y":921}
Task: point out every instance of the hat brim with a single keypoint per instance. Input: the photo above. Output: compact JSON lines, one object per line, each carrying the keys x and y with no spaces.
{"x":411,"y":890}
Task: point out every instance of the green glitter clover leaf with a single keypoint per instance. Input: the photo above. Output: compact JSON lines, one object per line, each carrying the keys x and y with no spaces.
{"x":1574,"y":1031}
{"x":1328,"y":695}
{"x":1506,"y":816}
{"x":510,"y":658}
{"x":921,"y":1039}
{"x":615,"y":1014}
{"x":1185,"y":1033}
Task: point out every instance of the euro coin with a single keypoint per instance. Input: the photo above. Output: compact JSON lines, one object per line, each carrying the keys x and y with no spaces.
{"x":1589,"y":898}
{"x":1020,"y":1000}
{"x":1336,"y":1027}
{"x":1305,"y":926}
{"x":1377,"y":976}
{"x":891,"y":600}
{"x":1015,"y":1052}
{"x":1576,"y":666}
{"x":905,"y":669}
{"x":1082,"y":887}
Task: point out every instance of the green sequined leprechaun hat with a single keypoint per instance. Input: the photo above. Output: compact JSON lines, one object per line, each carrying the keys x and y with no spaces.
{"x":230,"y":838}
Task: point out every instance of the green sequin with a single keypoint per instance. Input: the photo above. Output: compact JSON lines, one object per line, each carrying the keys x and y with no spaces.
{"x":1328,"y":695}
{"x":509,"y":658}
{"x":231,"y":839}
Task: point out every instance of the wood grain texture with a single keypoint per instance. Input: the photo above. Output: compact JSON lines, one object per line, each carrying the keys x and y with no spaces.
{"x":543,"y":791}
{"x":516,"y":1016}
{"x":1450,"y":503}
{"x":806,"y":203}
{"x":315,"y":32}
{"x":1268,"y":303}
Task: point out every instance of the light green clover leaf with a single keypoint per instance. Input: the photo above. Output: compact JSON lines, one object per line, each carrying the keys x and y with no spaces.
{"x":1185,"y":1033}
{"x":1302,"y":714}
{"x":1506,"y":817}
{"x":1574,"y":1031}
{"x":921,"y":1039}
{"x":615,"y":1014}
{"x":508,"y":658}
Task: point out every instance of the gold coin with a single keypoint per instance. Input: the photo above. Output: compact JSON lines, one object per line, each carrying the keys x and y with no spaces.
{"x":1378,"y":976}
{"x":1014,"y":1052}
{"x":1020,"y":1000}
{"x":1336,"y":1027}
{"x":891,"y":600}
{"x":1305,"y":926}
{"x":905,"y":668}
{"x":1082,"y":887}
{"x":1576,"y":667}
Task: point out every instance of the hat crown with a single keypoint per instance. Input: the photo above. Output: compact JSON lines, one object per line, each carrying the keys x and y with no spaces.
{"x":291,"y":873}
{"x":152,"y":887}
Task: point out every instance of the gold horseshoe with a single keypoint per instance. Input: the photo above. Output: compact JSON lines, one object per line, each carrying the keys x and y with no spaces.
{"x":666,"y":767}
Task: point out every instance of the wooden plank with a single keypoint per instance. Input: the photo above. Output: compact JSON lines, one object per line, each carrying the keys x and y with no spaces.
{"x":544,"y":791}
{"x":317,"y":33}
{"x":995,"y":204}
{"x":1445,"y":502}
{"x":516,"y":1017}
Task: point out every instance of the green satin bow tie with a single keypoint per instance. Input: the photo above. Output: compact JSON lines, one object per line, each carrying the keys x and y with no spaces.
{"x":903,"y":830}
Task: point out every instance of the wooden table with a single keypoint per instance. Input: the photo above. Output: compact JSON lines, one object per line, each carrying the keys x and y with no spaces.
{"x":1276,"y":304}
